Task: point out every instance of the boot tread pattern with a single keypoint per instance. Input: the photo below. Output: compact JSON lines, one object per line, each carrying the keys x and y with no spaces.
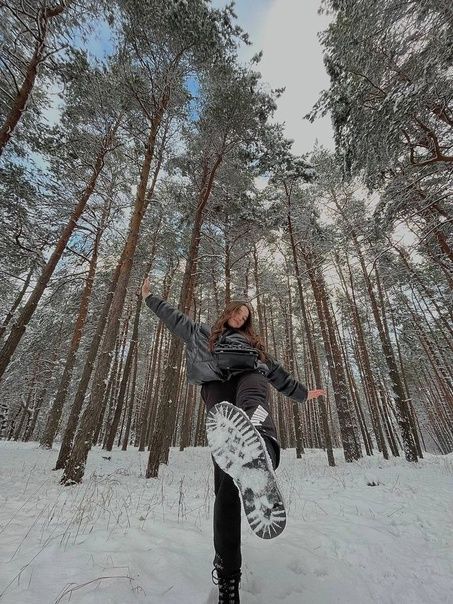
{"x":239,"y":450}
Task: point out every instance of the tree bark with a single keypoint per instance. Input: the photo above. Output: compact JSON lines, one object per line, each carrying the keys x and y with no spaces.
{"x":107,"y":409}
{"x":17,"y":301}
{"x":125,"y":378}
{"x":167,"y":411}
{"x":22,"y":321}
{"x":297,"y":413}
{"x":395,"y":378}
{"x":351,"y":446}
{"x":31,"y":71}
{"x":75,"y":465}
{"x":71,"y":425}
{"x":364,"y":360}
{"x":131,"y":402}
{"x":54,"y":417}
{"x":314,"y":359}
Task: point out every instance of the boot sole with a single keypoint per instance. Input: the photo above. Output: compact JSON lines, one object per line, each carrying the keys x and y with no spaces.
{"x":239,"y":450}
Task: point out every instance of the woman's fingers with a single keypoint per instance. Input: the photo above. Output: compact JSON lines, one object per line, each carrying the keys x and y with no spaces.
{"x":316,"y":393}
{"x":146,"y":287}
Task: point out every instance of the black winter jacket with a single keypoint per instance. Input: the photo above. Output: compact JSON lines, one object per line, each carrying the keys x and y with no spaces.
{"x":201,"y":364}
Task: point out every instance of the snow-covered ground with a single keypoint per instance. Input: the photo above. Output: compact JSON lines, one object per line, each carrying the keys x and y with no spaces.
{"x":118,"y":538}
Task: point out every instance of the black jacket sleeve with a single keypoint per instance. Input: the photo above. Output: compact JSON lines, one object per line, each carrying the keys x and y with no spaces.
{"x":284,"y":382}
{"x":176,"y":321}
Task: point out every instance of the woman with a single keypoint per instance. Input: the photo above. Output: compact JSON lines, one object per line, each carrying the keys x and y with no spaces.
{"x":230,"y":363}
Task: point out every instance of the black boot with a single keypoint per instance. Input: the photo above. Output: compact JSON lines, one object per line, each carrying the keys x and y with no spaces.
{"x":228,"y":588}
{"x":228,"y":583}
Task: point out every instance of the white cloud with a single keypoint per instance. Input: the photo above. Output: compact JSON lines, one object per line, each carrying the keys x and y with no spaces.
{"x":286,"y":31}
{"x":293,"y":58}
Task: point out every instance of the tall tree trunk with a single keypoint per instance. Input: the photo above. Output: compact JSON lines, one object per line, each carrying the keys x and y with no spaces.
{"x":22,"y":321}
{"x":45,"y":14}
{"x":227,"y":268}
{"x":126,"y":372}
{"x":25,"y":408}
{"x":314,"y":359}
{"x":395,"y":378}
{"x":187,"y":421}
{"x":440,"y":412}
{"x":391,"y":437}
{"x":392,"y":367}
{"x":17,"y":301}
{"x":150,"y":401}
{"x":34,"y":413}
{"x":259,"y":305}
{"x":200,"y":432}
{"x":167,"y":411}
{"x":131,"y":400}
{"x":412,"y":418}
{"x":297,"y":413}
{"x":79,"y":398}
{"x":352,"y":385}
{"x":54,"y":417}
{"x":75,"y":465}
{"x":439,"y":368}
{"x":111,"y":393}
{"x":151,"y":388}
{"x":351,"y":446}
{"x":172,"y":427}
{"x":43,"y":392}
{"x":25,"y":413}
{"x":432,"y":301}
{"x":279,"y":416}
{"x":364,"y":359}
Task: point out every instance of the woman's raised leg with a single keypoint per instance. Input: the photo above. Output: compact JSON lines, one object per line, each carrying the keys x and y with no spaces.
{"x":252,"y":395}
{"x":227,"y":505}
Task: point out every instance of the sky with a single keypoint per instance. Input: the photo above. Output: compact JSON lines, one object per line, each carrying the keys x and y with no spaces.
{"x":286,"y":31}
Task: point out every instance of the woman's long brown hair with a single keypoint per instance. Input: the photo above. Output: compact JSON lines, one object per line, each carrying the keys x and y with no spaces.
{"x":246,"y":329}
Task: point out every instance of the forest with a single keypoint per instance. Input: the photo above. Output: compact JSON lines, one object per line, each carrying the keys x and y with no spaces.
{"x":134,"y":141}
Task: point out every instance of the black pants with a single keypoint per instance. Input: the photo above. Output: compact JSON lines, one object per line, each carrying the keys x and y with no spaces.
{"x":247,"y":391}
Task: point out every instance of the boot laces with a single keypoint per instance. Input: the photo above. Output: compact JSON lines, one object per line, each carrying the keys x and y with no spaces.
{"x":228,"y":586}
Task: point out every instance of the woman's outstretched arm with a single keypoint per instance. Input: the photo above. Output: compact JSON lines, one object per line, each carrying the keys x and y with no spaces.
{"x":285,"y":383}
{"x":176,"y":321}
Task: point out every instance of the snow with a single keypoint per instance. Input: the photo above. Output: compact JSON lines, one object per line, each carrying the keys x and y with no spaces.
{"x":119,"y":538}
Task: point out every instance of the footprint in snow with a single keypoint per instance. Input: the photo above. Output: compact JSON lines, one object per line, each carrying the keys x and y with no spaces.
{"x":296,"y":568}
{"x":320,"y":572}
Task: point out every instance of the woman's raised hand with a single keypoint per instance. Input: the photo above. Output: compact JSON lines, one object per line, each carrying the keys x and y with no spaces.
{"x":315,"y":393}
{"x":146,"y":288}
